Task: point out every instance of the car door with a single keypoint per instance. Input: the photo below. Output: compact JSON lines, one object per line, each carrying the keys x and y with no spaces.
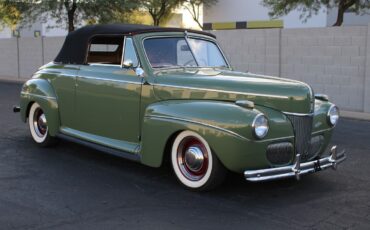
{"x":107,"y":94}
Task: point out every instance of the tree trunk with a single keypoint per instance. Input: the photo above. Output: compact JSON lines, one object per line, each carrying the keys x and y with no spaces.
{"x":71,"y":14}
{"x":340,"y":16}
{"x":194,"y":11}
{"x":342,"y":7}
{"x":199,"y":24}
{"x":156,"y":21}
{"x":71,"y":26}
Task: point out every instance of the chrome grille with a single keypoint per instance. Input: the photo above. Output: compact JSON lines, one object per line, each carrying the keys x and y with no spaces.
{"x":302,"y":126}
{"x":315,"y":146}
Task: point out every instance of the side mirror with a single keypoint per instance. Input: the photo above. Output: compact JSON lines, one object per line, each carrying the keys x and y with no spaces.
{"x":139,"y":72}
{"x":128,"y":64}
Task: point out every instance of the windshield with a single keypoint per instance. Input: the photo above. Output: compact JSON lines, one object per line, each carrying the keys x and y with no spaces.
{"x":181,"y":52}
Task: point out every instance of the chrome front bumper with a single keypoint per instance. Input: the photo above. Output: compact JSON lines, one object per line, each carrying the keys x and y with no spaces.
{"x":297,"y":169}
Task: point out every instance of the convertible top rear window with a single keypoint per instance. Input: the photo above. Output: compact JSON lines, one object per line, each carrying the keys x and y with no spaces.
{"x":105,"y":50}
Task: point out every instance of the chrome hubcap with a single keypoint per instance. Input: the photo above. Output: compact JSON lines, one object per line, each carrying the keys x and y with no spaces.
{"x":40,"y":123}
{"x":192,"y":158}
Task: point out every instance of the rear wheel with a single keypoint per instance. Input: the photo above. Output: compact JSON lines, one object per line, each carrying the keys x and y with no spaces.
{"x":39,"y":127}
{"x":194,"y":164}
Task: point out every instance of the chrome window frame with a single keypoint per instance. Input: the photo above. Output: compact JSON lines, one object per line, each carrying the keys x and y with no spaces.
{"x":125,"y":36}
{"x":192,"y":36}
{"x":123,"y":53}
{"x":89,"y":46}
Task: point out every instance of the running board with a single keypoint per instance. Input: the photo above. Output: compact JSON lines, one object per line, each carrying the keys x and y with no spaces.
{"x":111,"y":151}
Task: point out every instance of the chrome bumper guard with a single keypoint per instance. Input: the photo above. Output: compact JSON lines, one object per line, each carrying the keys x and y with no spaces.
{"x":298,"y":168}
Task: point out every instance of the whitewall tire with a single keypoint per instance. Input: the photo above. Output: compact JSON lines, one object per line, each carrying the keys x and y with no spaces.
{"x":38,"y":126}
{"x":193,"y":162}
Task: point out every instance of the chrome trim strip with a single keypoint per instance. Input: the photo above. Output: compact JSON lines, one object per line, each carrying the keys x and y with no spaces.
{"x":123,"y":50}
{"x":215,"y":127}
{"x":297,"y":169}
{"x":100,"y":147}
{"x":67,"y":75}
{"x":102,"y":64}
{"x":321,"y":131}
{"x":39,"y":96}
{"x":275,"y":139}
{"x":222,"y":91}
{"x":112,"y":80}
{"x":299,"y":114}
{"x":191,"y":49}
{"x":196,"y":122}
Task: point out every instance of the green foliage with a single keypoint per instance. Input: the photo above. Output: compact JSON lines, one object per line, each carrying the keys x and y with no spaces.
{"x":309,"y":7}
{"x":71,"y":13}
{"x":10,"y":16}
{"x":160,"y":9}
{"x":67,"y":13}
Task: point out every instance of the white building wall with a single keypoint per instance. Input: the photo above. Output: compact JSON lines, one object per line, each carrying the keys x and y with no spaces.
{"x":334,"y":60}
{"x":51,"y":30}
{"x":184,"y":19}
{"x":252,"y":10}
{"x":5,"y":32}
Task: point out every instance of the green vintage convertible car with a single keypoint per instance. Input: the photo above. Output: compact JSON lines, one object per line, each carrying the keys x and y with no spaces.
{"x":153,"y":94}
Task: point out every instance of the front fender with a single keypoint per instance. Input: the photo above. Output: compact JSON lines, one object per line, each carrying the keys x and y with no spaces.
{"x":226,"y":127}
{"x":40,"y":91}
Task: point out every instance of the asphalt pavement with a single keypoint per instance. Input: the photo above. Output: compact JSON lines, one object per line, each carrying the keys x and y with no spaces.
{"x":74,"y":187}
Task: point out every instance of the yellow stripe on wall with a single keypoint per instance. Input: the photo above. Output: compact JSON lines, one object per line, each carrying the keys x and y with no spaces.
{"x":224,"y":25}
{"x":265,"y":24}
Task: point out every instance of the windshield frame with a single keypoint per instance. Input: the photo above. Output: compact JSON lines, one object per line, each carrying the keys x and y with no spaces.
{"x":186,"y":36}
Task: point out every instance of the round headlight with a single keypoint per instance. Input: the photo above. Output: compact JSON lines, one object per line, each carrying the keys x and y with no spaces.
{"x":333,"y":115}
{"x":260,"y":126}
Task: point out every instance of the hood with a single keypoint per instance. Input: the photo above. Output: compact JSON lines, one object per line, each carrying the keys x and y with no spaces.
{"x":207,"y":84}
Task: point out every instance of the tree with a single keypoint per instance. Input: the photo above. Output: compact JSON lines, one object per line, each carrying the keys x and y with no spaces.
{"x":194,"y":8}
{"x":309,"y":7}
{"x":159,"y":9}
{"x":10,"y":16}
{"x":70,"y":12}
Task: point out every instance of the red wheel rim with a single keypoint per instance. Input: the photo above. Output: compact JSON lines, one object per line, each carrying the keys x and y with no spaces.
{"x":192,"y":158}
{"x":40,"y":123}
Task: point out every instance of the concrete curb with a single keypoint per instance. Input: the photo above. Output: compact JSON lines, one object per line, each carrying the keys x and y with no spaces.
{"x":20,"y":81}
{"x":345,"y":114}
{"x":355,"y":115}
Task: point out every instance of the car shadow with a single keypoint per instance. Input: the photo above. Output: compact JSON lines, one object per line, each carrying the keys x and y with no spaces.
{"x":234,"y":185}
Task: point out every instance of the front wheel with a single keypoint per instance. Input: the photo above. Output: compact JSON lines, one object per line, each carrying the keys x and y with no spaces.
{"x":39,"y":127}
{"x":194,"y":164}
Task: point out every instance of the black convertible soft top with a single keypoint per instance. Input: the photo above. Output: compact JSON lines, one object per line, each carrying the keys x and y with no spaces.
{"x":75,"y":46}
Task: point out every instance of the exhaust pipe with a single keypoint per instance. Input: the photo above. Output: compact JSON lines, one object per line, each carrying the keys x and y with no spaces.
{"x":16,"y":109}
